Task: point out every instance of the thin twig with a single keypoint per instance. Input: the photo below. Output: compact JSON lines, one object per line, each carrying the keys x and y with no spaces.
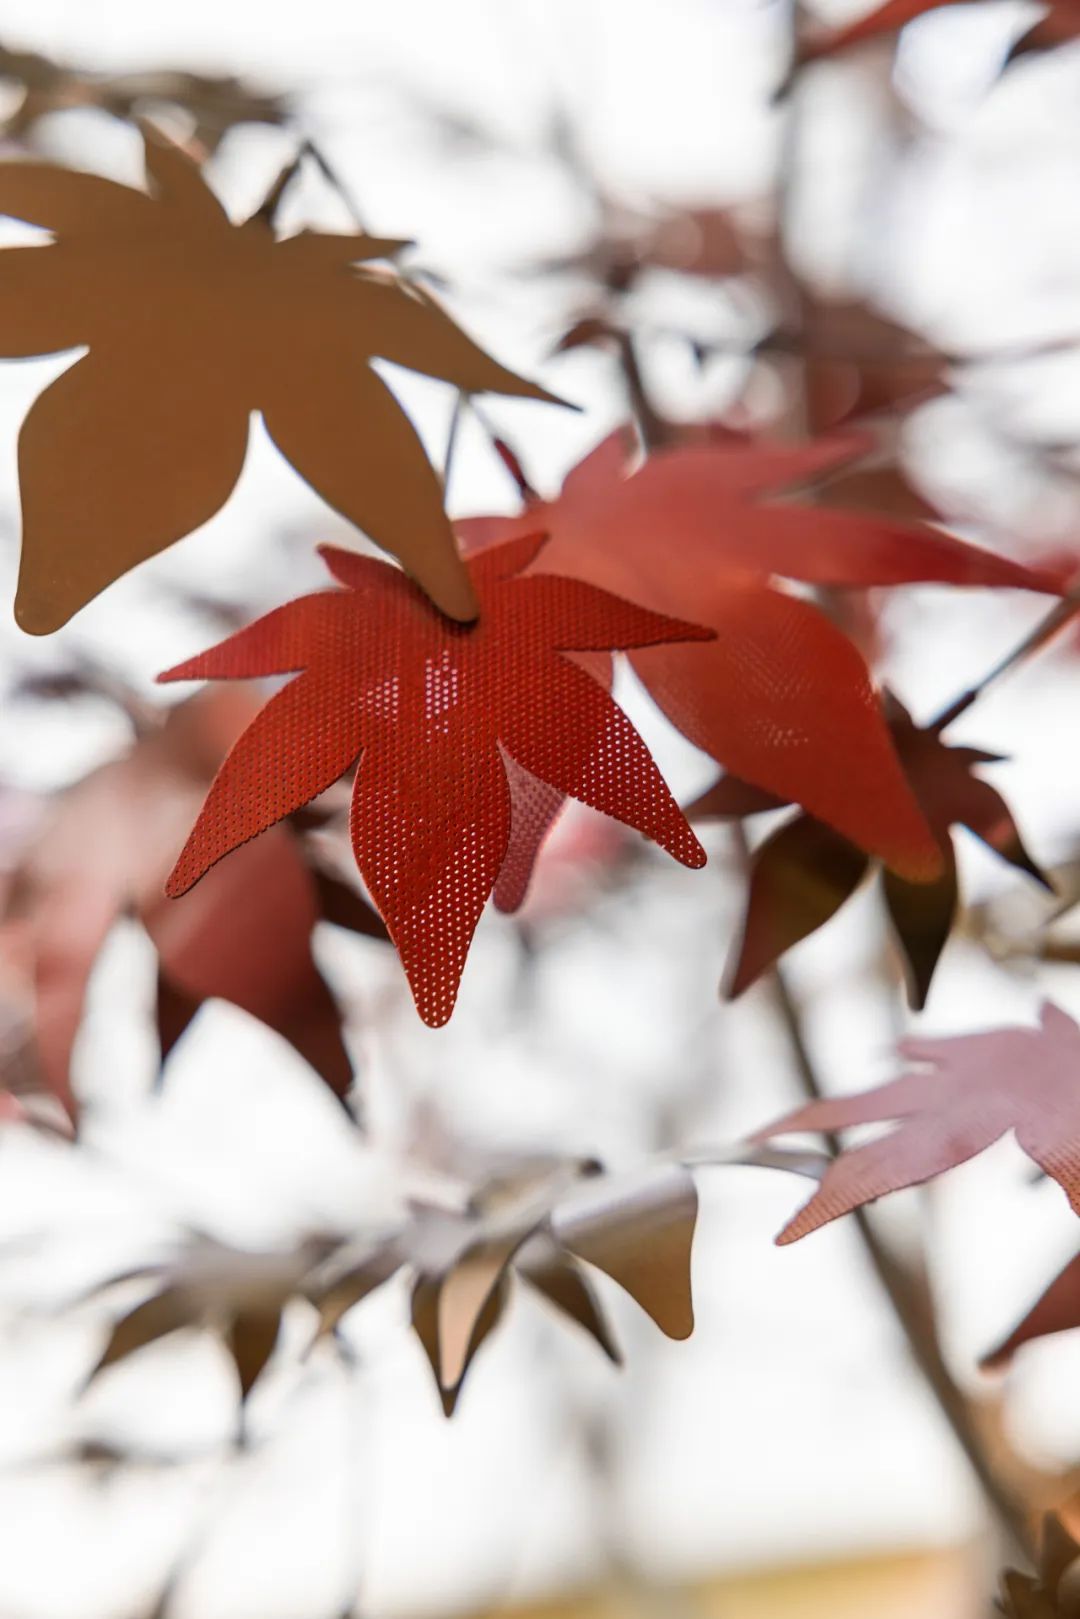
{"x":906,"y":1288}
{"x":910,"y":1299}
{"x":453,"y":433}
{"x":308,"y":150}
{"x":1062,"y":613}
{"x":652,"y":428}
{"x":336,"y":183}
{"x":267,"y":211}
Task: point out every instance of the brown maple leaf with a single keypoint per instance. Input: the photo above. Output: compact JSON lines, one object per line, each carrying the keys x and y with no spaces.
{"x":544,"y":1231}
{"x":192,"y":323}
{"x":238,"y":1293}
{"x":544,"y":1228}
{"x":804,"y":872}
{"x":480,"y":1224}
{"x":962,"y":1095}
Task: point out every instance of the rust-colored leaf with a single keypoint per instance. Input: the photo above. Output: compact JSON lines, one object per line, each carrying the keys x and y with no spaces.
{"x":780,"y":698}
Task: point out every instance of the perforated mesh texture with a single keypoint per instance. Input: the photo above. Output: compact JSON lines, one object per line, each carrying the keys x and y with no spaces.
{"x":966,"y":1092}
{"x":534,"y":809}
{"x":431,"y":707}
{"x":781,"y":697}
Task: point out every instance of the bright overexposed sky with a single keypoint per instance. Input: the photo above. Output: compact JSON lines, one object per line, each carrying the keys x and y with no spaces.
{"x":792,"y":1424}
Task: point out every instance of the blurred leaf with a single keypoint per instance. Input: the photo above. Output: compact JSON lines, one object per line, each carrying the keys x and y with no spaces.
{"x":804,"y":872}
{"x":216,"y":103}
{"x":240,"y":1294}
{"x":250,"y":1339}
{"x":780,"y":697}
{"x":638,"y":1229}
{"x":1053,"y":1592}
{"x":104,"y":849}
{"x":1059,"y":24}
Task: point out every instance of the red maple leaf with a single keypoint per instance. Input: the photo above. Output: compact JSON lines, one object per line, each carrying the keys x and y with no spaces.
{"x":965,"y":1094}
{"x":803,"y":873}
{"x":434,"y":710}
{"x":781,"y":697}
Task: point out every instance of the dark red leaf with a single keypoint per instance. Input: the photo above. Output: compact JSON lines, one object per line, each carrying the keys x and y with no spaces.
{"x":804,"y":872}
{"x":105,"y":848}
{"x":799,"y":878}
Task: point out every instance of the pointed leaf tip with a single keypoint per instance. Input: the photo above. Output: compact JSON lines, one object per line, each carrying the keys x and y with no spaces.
{"x":112,"y":469}
{"x":431,"y":807}
{"x":960,"y":1096}
{"x":641,"y":1235}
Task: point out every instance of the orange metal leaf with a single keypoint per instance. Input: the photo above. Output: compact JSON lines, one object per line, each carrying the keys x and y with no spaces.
{"x":192,"y":323}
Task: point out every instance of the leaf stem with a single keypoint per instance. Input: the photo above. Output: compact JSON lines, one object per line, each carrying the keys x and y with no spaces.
{"x":334,"y":181}
{"x":506,"y":452}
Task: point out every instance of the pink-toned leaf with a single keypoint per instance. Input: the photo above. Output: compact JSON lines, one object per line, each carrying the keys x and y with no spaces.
{"x":961,"y":1096}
